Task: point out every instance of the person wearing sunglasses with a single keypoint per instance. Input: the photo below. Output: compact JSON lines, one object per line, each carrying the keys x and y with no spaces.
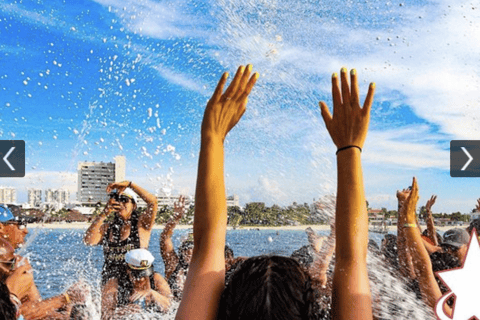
{"x":12,"y":229}
{"x":125,"y":230}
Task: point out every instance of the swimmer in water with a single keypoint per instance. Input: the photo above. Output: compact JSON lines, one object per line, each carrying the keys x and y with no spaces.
{"x":127,"y":230}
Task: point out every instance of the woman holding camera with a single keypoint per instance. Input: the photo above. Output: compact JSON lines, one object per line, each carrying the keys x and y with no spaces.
{"x":127,"y":230}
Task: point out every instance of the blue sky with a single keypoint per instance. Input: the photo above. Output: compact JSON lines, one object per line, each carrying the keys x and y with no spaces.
{"x":89,"y":80}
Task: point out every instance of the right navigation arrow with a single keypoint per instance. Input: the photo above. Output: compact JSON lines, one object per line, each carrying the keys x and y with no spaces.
{"x":470,"y":158}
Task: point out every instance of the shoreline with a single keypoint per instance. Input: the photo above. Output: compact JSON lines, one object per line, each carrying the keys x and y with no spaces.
{"x":83,"y":225}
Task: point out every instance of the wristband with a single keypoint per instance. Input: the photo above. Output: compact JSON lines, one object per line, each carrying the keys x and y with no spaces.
{"x":410,"y":225}
{"x":67,"y":297}
{"x":129,"y":184}
{"x":347,"y":147}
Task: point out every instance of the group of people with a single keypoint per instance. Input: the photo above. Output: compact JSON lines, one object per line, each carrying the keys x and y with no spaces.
{"x":205,"y":277}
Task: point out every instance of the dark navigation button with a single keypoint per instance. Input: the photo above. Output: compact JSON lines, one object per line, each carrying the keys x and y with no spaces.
{"x":465,"y":158}
{"x":12,"y":158}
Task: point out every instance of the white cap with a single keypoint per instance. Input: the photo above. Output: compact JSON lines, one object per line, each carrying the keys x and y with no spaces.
{"x":131,"y":194}
{"x":139,"y":258}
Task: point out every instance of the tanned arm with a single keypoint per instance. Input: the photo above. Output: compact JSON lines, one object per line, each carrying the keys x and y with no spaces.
{"x":206,"y":276}
{"x":348,"y":127}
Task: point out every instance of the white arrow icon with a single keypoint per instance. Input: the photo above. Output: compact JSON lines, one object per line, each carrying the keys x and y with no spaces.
{"x":470,"y":158}
{"x":8,"y":163}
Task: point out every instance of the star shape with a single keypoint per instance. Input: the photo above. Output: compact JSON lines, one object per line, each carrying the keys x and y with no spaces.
{"x":464,"y":282}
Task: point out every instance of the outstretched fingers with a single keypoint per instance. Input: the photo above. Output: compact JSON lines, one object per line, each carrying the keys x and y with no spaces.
{"x":326,"y":115}
{"x":367,"y":105}
{"x":345,"y":87}
{"x":355,"y":95}
{"x":248,"y":88}
{"x":230,"y":92}
{"x":219,"y":90}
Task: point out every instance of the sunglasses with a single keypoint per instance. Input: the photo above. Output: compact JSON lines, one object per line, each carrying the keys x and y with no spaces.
{"x":119,"y":198}
{"x":12,"y":263}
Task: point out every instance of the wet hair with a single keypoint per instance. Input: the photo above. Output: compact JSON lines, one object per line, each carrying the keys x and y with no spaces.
{"x":268,"y":287}
{"x":390,"y":251}
{"x":186,"y":245}
{"x":7,"y":308}
{"x":373,"y":245}
{"x":228,"y":252}
{"x":474,"y":224}
{"x":303,"y":255}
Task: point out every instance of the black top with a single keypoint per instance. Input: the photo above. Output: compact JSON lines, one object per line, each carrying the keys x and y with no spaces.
{"x":114,"y":252}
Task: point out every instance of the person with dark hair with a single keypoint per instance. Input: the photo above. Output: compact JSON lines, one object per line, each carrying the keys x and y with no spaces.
{"x":8,"y":310}
{"x":128,"y":230}
{"x":285,"y":288}
{"x":263,"y":283}
{"x":389,"y":251}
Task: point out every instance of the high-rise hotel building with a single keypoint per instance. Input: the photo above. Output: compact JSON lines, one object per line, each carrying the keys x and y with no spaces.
{"x":94,"y":177}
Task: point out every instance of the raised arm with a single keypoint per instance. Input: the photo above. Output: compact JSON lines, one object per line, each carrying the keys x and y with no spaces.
{"x":318,"y":270}
{"x":348,"y":129}
{"x":170,"y":258}
{"x":96,"y":231}
{"x":431,"y":232}
{"x":206,"y":276}
{"x":404,"y":256}
{"x":421,"y":260}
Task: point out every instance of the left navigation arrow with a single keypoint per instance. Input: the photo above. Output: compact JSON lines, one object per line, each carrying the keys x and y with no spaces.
{"x":12,"y":153}
{"x":8,"y":154}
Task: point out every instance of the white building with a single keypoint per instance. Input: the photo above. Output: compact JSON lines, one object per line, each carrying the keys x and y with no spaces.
{"x":57,"y":195}
{"x":94,"y":177}
{"x":8,"y":195}
{"x":34,"y":197}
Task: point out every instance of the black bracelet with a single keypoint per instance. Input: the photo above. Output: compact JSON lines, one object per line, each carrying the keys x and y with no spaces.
{"x":347,"y":147}
{"x":130,"y":184}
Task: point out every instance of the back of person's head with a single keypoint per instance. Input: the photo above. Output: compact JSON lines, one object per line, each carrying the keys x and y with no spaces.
{"x":268,"y":287}
{"x":7,"y":308}
{"x":474,"y":224}
{"x":303,"y":255}
{"x":389,"y":250}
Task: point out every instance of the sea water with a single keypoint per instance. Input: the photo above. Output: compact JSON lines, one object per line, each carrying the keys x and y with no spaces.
{"x":60,"y":259}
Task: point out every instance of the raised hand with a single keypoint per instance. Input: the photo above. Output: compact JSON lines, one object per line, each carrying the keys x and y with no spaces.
{"x":349,"y":124}
{"x":411,"y":203}
{"x":402,"y":195}
{"x":225,"y":109}
{"x":119,"y":186}
{"x":179,"y":208}
{"x":430,"y":203}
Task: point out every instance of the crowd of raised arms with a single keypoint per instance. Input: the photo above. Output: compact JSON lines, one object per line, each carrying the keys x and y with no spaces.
{"x":204,"y":276}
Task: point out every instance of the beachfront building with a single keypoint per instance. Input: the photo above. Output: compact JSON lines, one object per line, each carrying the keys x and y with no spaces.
{"x":169,"y":200}
{"x":61,"y":196}
{"x":94,"y":177}
{"x":34,"y":197}
{"x":8,"y":195}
